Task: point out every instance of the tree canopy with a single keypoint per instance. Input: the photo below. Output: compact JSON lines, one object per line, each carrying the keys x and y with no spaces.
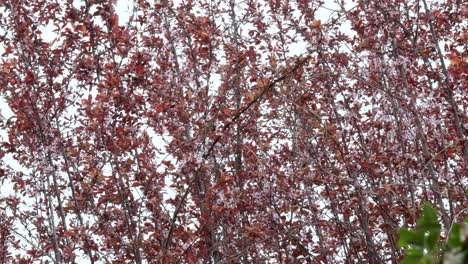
{"x":228,"y":131}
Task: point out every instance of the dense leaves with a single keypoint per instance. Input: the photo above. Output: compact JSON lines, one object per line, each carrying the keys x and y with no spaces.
{"x":225,"y":131}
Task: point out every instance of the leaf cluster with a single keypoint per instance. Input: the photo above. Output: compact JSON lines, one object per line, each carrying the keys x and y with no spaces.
{"x":424,"y":246}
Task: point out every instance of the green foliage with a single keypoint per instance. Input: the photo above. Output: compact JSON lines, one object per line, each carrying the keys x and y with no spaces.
{"x":423,"y":245}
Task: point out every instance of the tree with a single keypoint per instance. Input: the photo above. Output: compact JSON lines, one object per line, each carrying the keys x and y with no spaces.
{"x":224,"y":131}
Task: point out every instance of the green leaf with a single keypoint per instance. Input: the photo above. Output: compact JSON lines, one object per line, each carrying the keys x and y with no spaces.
{"x":410,"y":238}
{"x":432,"y":238}
{"x":454,"y":239}
{"x":422,"y":243}
{"x":411,"y":260}
{"x":413,"y":256}
{"x":429,"y":221}
{"x":415,"y":252}
{"x":405,"y":237}
{"x":427,"y":259}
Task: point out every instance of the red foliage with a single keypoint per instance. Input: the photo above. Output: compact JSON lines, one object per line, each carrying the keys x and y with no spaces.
{"x":198,"y":131}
